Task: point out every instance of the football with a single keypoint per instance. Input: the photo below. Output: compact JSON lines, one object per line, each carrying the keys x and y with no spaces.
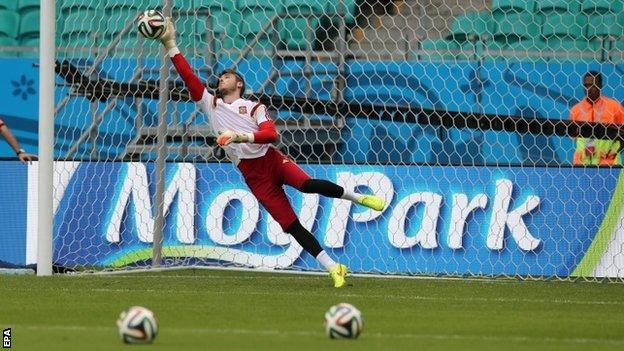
{"x":343,"y":321}
{"x":151,"y":24}
{"x":137,"y":325}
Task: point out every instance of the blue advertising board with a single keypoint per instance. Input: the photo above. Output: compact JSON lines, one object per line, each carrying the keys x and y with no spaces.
{"x":438,"y":220}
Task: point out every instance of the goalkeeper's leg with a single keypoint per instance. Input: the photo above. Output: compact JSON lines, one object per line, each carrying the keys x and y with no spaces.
{"x":272,"y":197}
{"x":297,"y":178}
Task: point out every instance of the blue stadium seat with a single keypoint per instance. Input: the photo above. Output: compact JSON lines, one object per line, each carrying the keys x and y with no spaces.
{"x":386,"y":146}
{"x":460,"y":147}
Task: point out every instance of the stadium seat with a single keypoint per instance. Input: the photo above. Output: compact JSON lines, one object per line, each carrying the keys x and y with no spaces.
{"x":68,"y":6}
{"x":471,"y":25}
{"x":118,"y":18}
{"x":515,"y":27}
{"x":606,"y":26}
{"x":78,"y":23}
{"x":29,"y":25}
{"x":224,"y":16}
{"x":9,"y":23}
{"x":298,"y":33}
{"x":8,"y":5}
{"x":616,"y":54}
{"x":26,"y":6}
{"x":438,"y":50}
{"x":557,"y":6}
{"x":260,"y":5}
{"x":349,"y":11}
{"x":303,"y":7}
{"x":564,"y":26}
{"x":602,"y":6}
{"x":111,"y":4}
{"x":502,"y":8}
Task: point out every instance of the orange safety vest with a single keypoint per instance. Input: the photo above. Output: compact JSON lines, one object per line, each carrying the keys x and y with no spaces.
{"x":590,"y":151}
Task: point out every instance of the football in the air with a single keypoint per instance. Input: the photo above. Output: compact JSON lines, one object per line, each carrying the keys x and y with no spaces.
{"x":343,"y":321}
{"x":151,"y":24}
{"x":137,"y":325}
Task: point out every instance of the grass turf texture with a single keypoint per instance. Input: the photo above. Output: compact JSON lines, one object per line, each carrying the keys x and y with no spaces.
{"x":231,"y":310}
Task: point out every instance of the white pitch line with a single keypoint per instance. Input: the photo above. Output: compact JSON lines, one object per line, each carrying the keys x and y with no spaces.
{"x":343,"y":295}
{"x":377,"y":335}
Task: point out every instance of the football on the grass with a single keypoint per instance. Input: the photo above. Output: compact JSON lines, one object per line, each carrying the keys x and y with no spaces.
{"x":137,"y":325}
{"x":343,"y":321}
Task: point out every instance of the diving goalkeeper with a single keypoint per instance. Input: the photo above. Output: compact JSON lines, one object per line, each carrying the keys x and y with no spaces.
{"x":246,"y":132}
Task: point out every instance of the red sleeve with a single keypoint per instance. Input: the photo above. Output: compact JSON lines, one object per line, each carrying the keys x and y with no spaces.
{"x":194,"y":85}
{"x":266,"y":134}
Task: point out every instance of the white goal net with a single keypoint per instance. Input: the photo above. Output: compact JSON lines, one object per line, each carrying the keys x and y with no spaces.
{"x":457,"y":113}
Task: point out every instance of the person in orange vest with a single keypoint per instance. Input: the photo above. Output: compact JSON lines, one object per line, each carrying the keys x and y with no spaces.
{"x":599,"y":109}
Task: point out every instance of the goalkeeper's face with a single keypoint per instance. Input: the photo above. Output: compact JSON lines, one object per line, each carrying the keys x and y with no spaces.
{"x":229,"y":83}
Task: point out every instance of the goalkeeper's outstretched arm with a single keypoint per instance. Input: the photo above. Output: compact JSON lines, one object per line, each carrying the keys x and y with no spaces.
{"x":193,"y":83}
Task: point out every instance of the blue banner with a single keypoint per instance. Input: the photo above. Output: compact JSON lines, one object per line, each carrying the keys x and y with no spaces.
{"x":438,"y":220}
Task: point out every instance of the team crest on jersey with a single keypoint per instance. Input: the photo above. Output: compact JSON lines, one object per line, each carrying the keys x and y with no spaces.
{"x":242,"y":110}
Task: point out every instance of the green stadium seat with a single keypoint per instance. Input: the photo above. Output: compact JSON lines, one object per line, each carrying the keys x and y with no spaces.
{"x":118,"y":18}
{"x":68,"y":6}
{"x":29,"y":25}
{"x":224,"y":17}
{"x":78,"y":22}
{"x":8,"y":5}
{"x":349,"y":11}
{"x":470,"y":51}
{"x":26,"y":6}
{"x":558,"y":6}
{"x":471,"y":25}
{"x":298,"y":33}
{"x":602,"y":6}
{"x":302,"y":7}
{"x":515,"y":27}
{"x":502,"y":8}
{"x":259,"y":6}
{"x":112,"y":4}
{"x":609,"y":25}
{"x":6,"y":41}
{"x":438,"y":50}
{"x":564,"y":25}
{"x":9,"y":23}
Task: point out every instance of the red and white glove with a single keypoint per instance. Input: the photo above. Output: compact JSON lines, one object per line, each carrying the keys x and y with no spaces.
{"x":227,"y":137}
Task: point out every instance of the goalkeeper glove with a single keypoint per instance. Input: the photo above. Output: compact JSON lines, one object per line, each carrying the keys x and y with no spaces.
{"x":168,"y":38}
{"x":227,"y":137}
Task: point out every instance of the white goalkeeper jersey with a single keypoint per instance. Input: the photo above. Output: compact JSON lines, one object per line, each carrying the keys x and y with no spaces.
{"x":241,"y":116}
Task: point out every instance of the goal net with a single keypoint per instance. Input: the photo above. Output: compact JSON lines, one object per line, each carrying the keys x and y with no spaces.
{"x":456,"y":113}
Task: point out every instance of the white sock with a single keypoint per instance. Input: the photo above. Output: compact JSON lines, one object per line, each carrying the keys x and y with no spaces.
{"x":324,"y":259}
{"x":351,"y":196}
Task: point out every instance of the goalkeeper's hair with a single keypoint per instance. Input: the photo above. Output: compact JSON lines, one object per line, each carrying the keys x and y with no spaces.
{"x":239,"y":78}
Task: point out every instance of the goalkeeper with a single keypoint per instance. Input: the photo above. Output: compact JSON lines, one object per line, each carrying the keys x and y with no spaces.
{"x":245,"y":132}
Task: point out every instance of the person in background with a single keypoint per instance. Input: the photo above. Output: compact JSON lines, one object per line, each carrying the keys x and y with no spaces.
{"x":10,"y":138}
{"x":599,"y":109}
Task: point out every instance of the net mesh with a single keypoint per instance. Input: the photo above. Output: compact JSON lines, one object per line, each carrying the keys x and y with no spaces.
{"x":419,"y":102}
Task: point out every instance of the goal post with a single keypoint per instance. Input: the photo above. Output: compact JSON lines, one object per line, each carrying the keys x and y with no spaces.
{"x":458,"y":116}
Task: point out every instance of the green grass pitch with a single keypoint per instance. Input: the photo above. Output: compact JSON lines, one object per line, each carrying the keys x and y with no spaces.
{"x":233,"y":310}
